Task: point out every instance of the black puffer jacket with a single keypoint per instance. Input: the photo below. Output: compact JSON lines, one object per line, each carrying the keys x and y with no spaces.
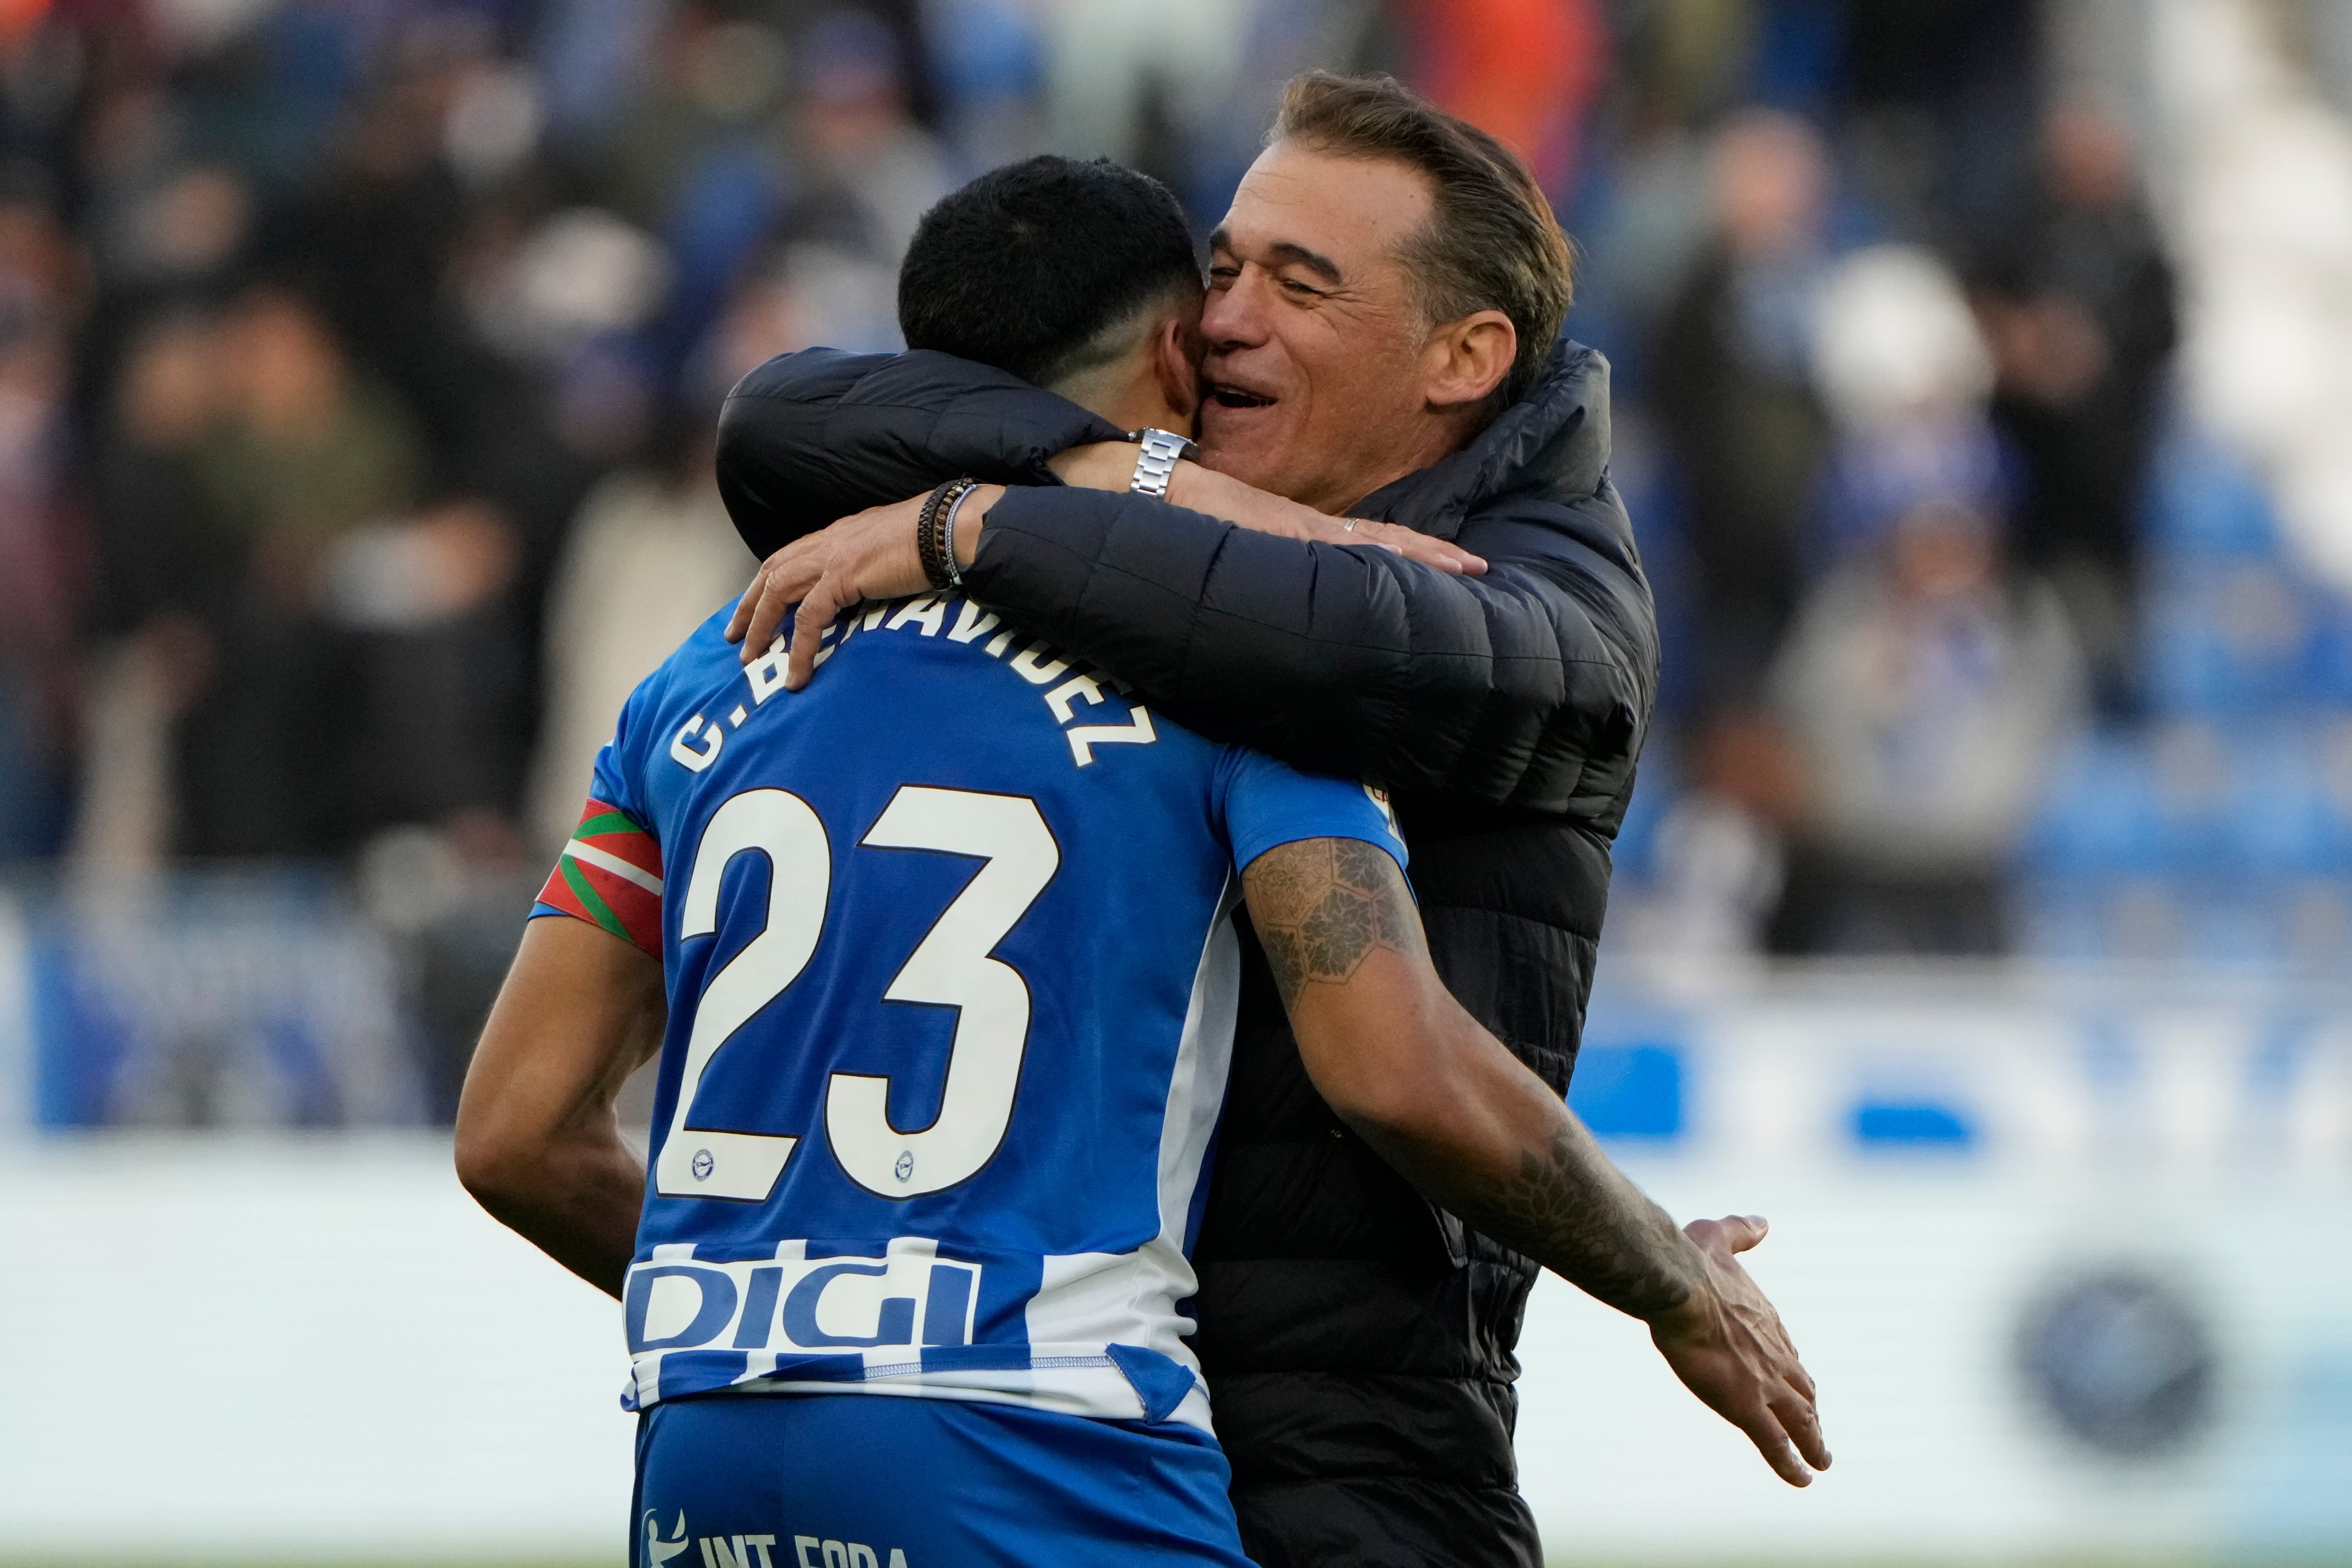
{"x":1358,"y":1342}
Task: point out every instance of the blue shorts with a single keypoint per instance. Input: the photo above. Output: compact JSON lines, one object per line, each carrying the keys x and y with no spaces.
{"x":870,"y":1480}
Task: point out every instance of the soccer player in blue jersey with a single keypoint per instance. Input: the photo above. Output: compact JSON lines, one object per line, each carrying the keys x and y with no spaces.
{"x":938,"y":958}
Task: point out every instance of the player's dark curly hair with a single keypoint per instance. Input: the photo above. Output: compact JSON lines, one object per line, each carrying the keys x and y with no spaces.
{"x":1029,"y":266}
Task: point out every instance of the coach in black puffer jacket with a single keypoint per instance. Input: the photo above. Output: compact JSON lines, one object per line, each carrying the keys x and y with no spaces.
{"x":1358,"y":1342}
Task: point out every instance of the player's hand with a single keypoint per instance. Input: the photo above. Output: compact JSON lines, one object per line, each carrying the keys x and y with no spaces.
{"x":1727,"y":1346}
{"x":868,"y":554}
{"x":1110,"y":465}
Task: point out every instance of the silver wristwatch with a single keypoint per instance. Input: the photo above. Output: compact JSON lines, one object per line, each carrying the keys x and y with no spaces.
{"x":1162,"y":450}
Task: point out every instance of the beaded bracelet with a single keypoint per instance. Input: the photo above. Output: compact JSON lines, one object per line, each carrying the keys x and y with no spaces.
{"x":934,"y":540}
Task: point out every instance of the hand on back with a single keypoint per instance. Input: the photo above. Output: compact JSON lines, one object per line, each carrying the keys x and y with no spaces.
{"x":868,"y":554}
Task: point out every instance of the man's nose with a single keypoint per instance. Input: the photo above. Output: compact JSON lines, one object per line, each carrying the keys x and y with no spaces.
{"x":1234,"y":317}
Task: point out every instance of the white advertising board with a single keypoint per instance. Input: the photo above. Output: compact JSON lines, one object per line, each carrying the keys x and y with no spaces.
{"x":2071,"y":1268}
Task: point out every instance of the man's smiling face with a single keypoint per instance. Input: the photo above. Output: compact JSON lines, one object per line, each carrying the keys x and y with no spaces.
{"x":1314,"y":381}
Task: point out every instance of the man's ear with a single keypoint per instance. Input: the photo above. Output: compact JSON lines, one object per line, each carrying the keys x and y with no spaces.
{"x":1176,"y":364}
{"x":1465,"y":360}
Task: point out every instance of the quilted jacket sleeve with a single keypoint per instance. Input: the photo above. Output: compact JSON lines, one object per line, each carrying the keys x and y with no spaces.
{"x":1526,"y":688}
{"x":811,"y":437}
{"x":1529,"y":687}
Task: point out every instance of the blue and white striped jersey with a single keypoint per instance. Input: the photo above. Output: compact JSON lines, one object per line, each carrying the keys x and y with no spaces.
{"x":951,"y":974}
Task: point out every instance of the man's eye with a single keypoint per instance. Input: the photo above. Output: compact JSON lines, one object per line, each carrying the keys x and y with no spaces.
{"x":1294,"y":286}
{"x":1224,"y":274}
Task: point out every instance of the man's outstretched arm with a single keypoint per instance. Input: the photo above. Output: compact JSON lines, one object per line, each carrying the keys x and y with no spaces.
{"x":537,"y":1143}
{"x":1445,"y":1103}
{"x":872,"y":555}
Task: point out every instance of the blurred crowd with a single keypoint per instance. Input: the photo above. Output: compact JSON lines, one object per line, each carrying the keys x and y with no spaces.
{"x":1995,"y":624}
{"x":1893,"y":327}
{"x":359,"y":358}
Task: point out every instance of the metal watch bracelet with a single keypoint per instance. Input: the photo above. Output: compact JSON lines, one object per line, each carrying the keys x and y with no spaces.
{"x":1155,"y":464}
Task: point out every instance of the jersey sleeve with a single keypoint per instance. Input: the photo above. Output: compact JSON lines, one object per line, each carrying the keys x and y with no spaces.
{"x":609,"y":871}
{"x":1268,"y":804}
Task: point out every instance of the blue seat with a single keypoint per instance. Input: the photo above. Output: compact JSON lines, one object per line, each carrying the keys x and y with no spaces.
{"x":2229,"y":636}
{"x":2283,"y":822}
{"x":2328,"y":656}
{"x":2202,"y":503}
{"x":2098,"y":816}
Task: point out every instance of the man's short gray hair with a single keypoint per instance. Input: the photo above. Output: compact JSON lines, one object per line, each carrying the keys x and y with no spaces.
{"x":1492,"y":243}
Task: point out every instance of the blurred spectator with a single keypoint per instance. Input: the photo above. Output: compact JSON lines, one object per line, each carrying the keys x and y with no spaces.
{"x":1721,"y":855}
{"x":39,"y":575}
{"x":1938,"y":103}
{"x":2076,"y":301}
{"x":810,"y":294}
{"x":871,"y":173}
{"x":1924,"y":693}
{"x":1123,"y":84}
{"x":988,"y":57}
{"x":586,"y":54}
{"x":1525,"y":70}
{"x":563,"y":302}
{"x":299,"y":453}
{"x":1925,"y":699}
{"x":339,"y":653}
{"x":1681,"y":61}
{"x":158,"y":554}
{"x":307,"y":447}
{"x":167,"y":580}
{"x":373,"y":235}
{"x":182,"y":227}
{"x":1904,"y":373}
{"x":1732,"y":389}
{"x":652,"y":556}
{"x":701,"y":160}
{"x":264,"y":85}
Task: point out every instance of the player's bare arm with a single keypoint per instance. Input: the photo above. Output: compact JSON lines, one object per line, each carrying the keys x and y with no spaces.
{"x":538,"y":1144}
{"x":1443,"y":1100}
{"x":872,"y":554}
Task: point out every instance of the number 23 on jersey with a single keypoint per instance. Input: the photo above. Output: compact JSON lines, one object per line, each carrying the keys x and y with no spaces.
{"x":950,"y":967}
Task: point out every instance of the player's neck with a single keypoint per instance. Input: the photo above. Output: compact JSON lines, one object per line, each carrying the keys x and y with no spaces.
{"x":1128,"y":394}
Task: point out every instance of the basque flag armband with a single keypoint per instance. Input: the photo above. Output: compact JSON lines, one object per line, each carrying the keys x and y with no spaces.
{"x":609,"y":874}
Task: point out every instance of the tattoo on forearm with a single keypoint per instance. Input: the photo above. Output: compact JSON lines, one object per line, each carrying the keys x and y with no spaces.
{"x":1321,"y":907}
{"x":1322,"y":904}
{"x":1591,"y":1226}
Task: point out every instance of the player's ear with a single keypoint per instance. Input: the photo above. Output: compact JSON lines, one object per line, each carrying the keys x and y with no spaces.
{"x":1176,"y":364}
